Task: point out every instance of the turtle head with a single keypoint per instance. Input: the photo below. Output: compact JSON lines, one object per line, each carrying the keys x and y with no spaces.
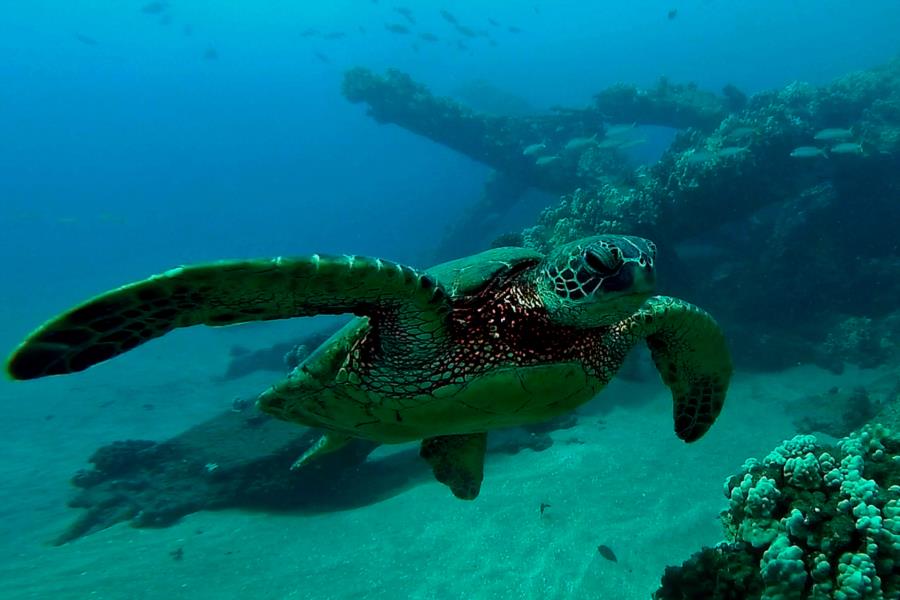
{"x":598,"y":280}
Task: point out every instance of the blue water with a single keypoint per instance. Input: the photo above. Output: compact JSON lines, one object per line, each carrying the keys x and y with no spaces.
{"x":125,"y":151}
{"x":136,"y":153}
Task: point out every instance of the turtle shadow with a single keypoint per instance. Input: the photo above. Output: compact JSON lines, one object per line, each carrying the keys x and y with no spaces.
{"x":240,"y":461}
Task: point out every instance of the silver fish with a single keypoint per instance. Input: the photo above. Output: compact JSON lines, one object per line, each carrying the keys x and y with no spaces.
{"x":833,"y":133}
{"x":740,"y":133}
{"x":534,"y":149}
{"x":732,"y":151}
{"x":618,"y":130}
{"x":546,"y":160}
{"x":700,"y":156}
{"x":580,"y":143}
{"x":808,"y":152}
{"x":632,"y":143}
{"x":847,"y":148}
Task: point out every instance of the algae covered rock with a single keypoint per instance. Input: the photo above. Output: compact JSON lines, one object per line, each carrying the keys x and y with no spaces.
{"x":808,"y":521}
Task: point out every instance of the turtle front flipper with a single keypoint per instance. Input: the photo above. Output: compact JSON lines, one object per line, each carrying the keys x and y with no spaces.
{"x":692,"y":357}
{"x":407,"y":304}
{"x":457,"y":461}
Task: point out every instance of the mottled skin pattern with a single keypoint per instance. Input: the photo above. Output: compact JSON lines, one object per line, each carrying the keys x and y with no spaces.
{"x":506,"y":337}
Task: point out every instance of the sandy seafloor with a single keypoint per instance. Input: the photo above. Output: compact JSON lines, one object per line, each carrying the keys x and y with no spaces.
{"x":619,"y":478}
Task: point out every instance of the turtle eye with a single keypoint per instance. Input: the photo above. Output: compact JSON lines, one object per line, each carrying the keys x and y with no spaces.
{"x":604,"y":260}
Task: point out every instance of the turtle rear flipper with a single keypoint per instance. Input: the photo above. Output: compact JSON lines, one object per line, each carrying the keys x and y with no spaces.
{"x":407,"y":304}
{"x":693,"y":360}
{"x":457,"y":461}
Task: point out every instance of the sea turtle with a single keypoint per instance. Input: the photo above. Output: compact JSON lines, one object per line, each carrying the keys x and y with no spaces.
{"x":501,"y":338}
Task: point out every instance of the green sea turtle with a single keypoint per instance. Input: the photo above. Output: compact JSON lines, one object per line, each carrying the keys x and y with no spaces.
{"x":505,"y":337}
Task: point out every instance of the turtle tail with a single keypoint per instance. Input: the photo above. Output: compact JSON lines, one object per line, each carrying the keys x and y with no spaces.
{"x":409,"y":302}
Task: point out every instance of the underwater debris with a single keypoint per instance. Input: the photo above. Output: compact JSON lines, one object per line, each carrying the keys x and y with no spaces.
{"x":155,"y":484}
{"x":681,"y":195}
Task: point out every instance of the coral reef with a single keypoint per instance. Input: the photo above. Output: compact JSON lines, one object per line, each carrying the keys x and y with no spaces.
{"x":789,"y":191}
{"x":808,"y":521}
{"x":838,"y":411}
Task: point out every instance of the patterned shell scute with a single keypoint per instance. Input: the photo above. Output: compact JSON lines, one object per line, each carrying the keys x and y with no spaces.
{"x":466,"y":276}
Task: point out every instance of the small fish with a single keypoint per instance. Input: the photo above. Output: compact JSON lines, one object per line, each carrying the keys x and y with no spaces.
{"x":580,"y":143}
{"x":466,"y":31}
{"x":309,"y":32}
{"x":534,"y":149}
{"x":673,"y":12}
{"x":544,"y":506}
{"x":619,"y":129}
{"x":700,"y":156}
{"x":154,"y":8}
{"x":632,"y":143}
{"x":461,"y":46}
{"x":322,"y":58}
{"x":847,"y":148}
{"x":188,"y":30}
{"x":428,"y":37}
{"x":165,"y":20}
{"x":449,"y":17}
{"x":740,"y":133}
{"x":397,"y":28}
{"x":335,"y":35}
{"x":607,"y":553}
{"x":494,"y":22}
{"x":211,"y":54}
{"x":832,"y":134}
{"x":611,"y":143}
{"x":808,"y":152}
{"x":406,"y":13}
{"x":543,"y":161}
{"x":513,"y":29}
{"x":87,"y":41}
{"x":731,"y":151}
{"x":362,"y":29}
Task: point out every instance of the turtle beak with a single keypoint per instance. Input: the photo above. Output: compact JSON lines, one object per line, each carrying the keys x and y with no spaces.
{"x":644,"y":279}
